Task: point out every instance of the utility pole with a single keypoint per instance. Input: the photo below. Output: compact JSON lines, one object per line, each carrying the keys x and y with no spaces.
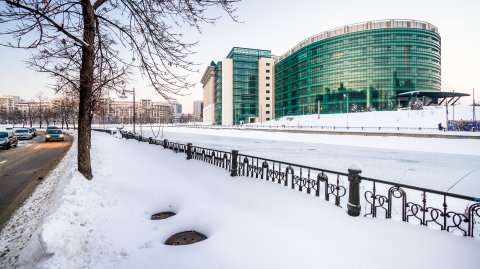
{"x":453,"y":110}
{"x":446,"y":114}
{"x":123,"y":95}
{"x":474,"y":117}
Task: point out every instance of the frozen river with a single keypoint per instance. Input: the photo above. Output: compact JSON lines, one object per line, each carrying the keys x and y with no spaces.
{"x":428,"y":162}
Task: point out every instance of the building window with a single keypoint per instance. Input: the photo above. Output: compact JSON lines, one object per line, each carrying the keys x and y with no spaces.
{"x":268,"y":118}
{"x":268,"y":112}
{"x":268,"y":91}
{"x":268,"y":98}
{"x":268,"y":105}
{"x":268,"y":84}
{"x":268,"y":78}
{"x":268,"y":64}
{"x":268,"y":70}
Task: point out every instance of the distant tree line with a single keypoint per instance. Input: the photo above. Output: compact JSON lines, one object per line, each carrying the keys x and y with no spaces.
{"x":61,"y":112}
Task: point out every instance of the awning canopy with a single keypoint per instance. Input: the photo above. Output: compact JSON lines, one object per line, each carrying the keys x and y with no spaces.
{"x":432,"y":94}
{"x":449,"y":97}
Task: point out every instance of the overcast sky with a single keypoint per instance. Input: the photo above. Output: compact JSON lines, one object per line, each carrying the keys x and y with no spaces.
{"x":278,"y":25}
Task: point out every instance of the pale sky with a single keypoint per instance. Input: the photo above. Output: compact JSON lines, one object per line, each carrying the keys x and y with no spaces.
{"x":278,"y":25}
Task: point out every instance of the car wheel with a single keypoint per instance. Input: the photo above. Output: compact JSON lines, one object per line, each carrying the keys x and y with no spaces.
{"x":8,"y":146}
{"x":46,"y":140}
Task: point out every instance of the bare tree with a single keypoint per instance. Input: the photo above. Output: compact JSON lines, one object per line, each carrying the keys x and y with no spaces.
{"x":75,"y":41}
{"x":67,"y":109}
{"x":16,"y":116}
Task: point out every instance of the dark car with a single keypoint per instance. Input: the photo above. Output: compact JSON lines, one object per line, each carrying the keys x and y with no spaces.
{"x":53,"y":134}
{"x":8,"y":139}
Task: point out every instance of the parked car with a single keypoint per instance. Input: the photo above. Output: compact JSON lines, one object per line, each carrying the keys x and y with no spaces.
{"x":7,"y":127}
{"x":8,"y":139}
{"x":23,"y":133}
{"x":53,"y":134}
{"x":33,"y":131}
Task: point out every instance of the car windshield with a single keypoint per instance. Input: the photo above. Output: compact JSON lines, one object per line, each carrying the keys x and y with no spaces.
{"x":54,"y":131}
{"x":21,"y":131}
{"x":3,"y":134}
{"x":52,"y":127}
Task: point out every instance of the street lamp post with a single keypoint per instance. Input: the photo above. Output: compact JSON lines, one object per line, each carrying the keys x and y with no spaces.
{"x":346,"y":96}
{"x":318,"y":107}
{"x":123,"y":95}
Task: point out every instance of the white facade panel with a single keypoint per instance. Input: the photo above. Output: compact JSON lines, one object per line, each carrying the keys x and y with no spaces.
{"x":227,"y":92}
{"x":266,"y":79}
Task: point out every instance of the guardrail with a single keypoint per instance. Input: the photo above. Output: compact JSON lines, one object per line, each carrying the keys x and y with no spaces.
{"x":455,"y":213}
{"x":310,"y":127}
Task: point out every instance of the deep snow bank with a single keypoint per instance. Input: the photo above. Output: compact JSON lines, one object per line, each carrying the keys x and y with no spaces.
{"x":28,"y":218}
{"x":250,"y":223}
{"x":68,"y":237}
{"x":429,"y":117}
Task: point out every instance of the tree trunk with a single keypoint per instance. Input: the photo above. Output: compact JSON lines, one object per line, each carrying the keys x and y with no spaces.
{"x":86,"y":91}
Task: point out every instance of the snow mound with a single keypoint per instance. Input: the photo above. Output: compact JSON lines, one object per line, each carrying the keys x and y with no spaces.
{"x":429,"y":117}
{"x":71,"y":230}
{"x":27,"y":219}
{"x":355,"y":166}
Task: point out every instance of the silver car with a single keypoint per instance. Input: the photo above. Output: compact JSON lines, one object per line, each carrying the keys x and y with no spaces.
{"x":23,"y":133}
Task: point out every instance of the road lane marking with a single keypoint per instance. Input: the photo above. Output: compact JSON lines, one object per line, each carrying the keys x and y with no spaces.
{"x":2,"y":162}
{"x":36,"y":147}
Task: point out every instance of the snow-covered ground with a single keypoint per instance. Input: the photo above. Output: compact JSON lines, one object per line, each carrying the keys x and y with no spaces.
{"x":401,"y":121}
{"x":105,"y":223}
{"x":429,"y":117}
{"x":443,"y":164}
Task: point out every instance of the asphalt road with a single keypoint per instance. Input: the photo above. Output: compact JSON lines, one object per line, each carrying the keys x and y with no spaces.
{"x":23,"y":168}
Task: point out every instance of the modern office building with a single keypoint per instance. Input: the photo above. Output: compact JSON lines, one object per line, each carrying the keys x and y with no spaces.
{"x":375,"y":65}
{"x":365,"y":65}
{"x":239,"y":89}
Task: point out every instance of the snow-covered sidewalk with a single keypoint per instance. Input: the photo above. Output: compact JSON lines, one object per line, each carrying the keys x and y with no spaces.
{"x":105,"y":223}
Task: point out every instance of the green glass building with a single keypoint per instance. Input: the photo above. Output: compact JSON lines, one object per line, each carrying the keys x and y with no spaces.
{"x":365,"y":65}
{"x":239,"y":89}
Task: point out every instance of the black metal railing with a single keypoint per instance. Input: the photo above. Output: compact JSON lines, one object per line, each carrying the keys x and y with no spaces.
{"x":459,"y":214}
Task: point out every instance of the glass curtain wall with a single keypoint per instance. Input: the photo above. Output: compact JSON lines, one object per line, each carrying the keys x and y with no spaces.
{"x":245,"y":82}
{"x":369,"y":67}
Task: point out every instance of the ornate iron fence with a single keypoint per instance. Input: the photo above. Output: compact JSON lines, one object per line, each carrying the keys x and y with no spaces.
{"x":458,"y":214}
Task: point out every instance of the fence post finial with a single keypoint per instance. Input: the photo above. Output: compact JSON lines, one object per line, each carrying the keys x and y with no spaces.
{"x":354,"y":179}
{"x":234,"y":166}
